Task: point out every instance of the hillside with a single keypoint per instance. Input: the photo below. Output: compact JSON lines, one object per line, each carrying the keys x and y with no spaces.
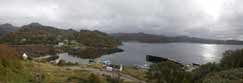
{"x":85,"y":42}
{"x":227,"y":76}
{"x":151,"y":38}
{"x":36,"y":33}
{"x":13,"y":69}
{"x":7,"y":28}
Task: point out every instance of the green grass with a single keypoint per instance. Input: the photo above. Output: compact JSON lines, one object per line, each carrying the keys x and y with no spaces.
{"x":227,"y":76}
{"x":14,"y":71}
{"x":97,"y":66}
{"x":38,"y":72}
{"x":137,"y":73}
{"x":56,"y":74}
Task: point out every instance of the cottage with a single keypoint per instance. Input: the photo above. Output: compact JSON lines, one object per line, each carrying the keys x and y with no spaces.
{"x":109,"y":68}
{"x":66,"y":41}
{"x":25,"y":56}
{"x":57,"y":61}
{"x":23,"y":40}
{"x":121,"y":67}
{"x":60,"y":44}
{"x":74,"y":42}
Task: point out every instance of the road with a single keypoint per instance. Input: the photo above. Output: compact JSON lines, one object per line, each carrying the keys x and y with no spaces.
{"x":125,"y":77}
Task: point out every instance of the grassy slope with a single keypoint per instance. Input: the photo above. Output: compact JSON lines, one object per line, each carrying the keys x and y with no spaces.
{"x":227,"y":76}
{"x":138,"y":73}
{"x":55,"y":74}
{"x":12,"y":69}
{"x":33,"y":71}
{"x":15,"y":70}
{"x":135,"y":72}
{"x":14,"y":74}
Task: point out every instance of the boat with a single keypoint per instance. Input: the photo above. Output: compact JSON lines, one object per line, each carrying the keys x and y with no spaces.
{"x":156,"y":59}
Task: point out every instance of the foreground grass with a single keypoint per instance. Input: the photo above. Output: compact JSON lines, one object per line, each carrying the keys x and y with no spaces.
{"x":227,"y":76}
{"x":36,"y":72}
{"x":39,"y":72}
{"x":135,"y":72}
{"x":132,"y":71}
{"x":56,"y":74}
{"x":12,"y":71}
{"x":97,"y":66}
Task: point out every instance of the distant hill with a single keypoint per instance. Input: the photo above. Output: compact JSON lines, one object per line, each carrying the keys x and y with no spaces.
{"x":7,"y":28}
{"x":36,"y":33}
{"x":151,"y":38}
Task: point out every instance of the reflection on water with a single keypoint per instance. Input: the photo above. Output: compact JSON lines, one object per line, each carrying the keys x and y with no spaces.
{"x":186,"y":53}
{"x":209,"y":52}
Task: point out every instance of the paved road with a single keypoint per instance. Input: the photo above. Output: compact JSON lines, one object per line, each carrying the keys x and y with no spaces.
{"x":125,"y":77}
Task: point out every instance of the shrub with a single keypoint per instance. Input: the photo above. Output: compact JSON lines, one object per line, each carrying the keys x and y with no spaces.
{"x":110,"y":79}
{"x":204,"y":70}
{"x":94,"y":79}
{"x":227,"y":76}
{"x":232,"y":59}
{"x":167,"y":72}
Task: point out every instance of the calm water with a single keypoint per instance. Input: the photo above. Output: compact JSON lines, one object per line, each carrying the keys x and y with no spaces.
{"x":185,"y":53}
{"x":73,"y":59}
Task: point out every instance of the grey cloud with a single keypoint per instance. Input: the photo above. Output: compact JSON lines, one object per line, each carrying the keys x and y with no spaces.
{"x":169,"y":17}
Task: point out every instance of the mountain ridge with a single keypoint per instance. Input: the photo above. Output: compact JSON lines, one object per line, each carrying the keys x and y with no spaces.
{"x":7,"y":28}
{"x":152,"y":38}
{"x":35,"y":33}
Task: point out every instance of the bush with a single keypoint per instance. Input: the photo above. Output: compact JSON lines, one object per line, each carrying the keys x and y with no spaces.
{"x":94,"y":79}
{"x":64,"y":63}
{"x":200,"y":73}
{"x":76,"y":80}
{"x":110,"y":79}
{"x":167,"y":72}
{"x":232,"y":59}
{"x":227,"y":76}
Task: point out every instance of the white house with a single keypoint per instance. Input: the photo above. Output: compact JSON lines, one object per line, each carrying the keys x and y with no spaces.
{"x":25,"y":56}
{"x":109,"y":68}
{"x":57,"y":61}
{"x":121,"y":67}
{"x":60,"y":44}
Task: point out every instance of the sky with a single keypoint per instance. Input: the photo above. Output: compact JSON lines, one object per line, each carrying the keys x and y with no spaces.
{"x":217,"y":19}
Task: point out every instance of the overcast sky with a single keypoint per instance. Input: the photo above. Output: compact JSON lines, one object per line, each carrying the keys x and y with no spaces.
{"x":221,"y":19}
